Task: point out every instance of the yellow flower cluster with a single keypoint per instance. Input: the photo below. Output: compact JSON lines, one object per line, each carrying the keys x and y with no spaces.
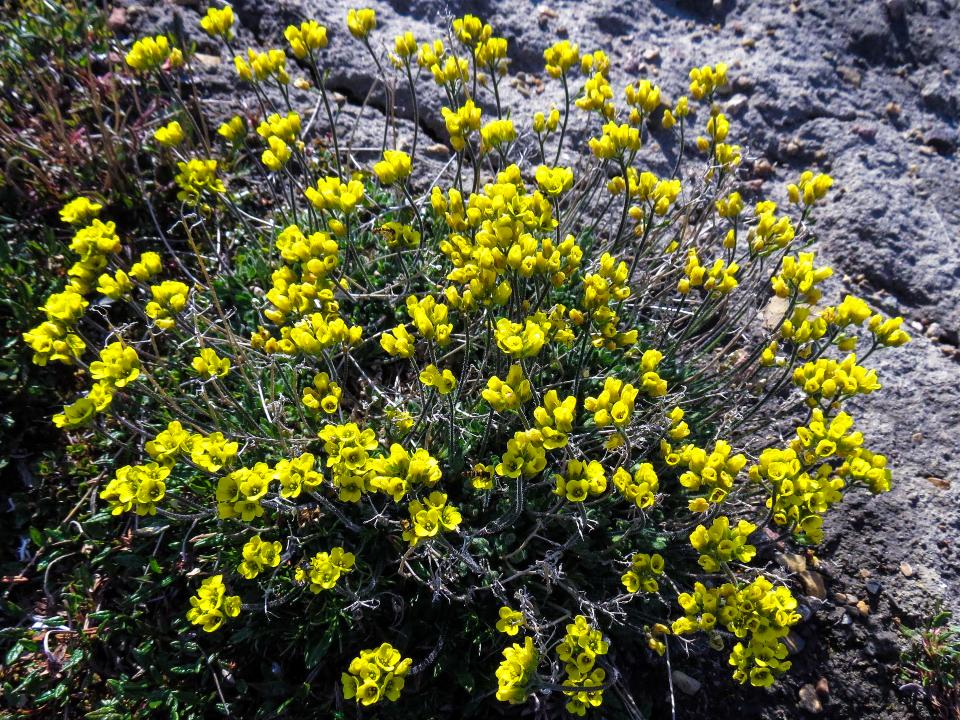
{"x":509,"y":394}
{"x":118,"y":366}
{"x":136,"y":487}
{"x":262,"y":65}
{"x":581,"y":480}
{"x":719,"y":279}
{"x":658,"y":195}
{"x":376,"y":674}
{"x":516,"y":671}
{"x":430,"y":517}
{"x":641,"y":487}
{"x":401,"y":471}
{"x":596,"y":97}
{"x":211,"y":605}
{"x":721,"y":544}
{"x":80,"y":210}
{"x":196,"y":177}
{"x":810,"y":189}
{"x":297,"y":475}
{"x":210,"y":365}
{"x":302,"y":290}
{"x":430,"y":318}
{"x":279,"y":133}
{"x":326,"y":569}
{"x":361,"y":22}
{"x":758,"y":613}
{"x":827,"y":379}
{"x":306,"y":39}
{"x":151,"y":53}
{"x":769,"y":232}
{"x":617,"y":142}
{"x":712,"y":472}
{"x":233,"y":130}
{"x":218,"y":22}
{"x":578,"y":652}
{"x":798,"y":498}
{"x":643,"y":573}
{"x":614,"y":404}
{"x":704,"y":81}
{"x":643,"y":98}
{"x":449,"y":71}
{"x":258,"y":555}
{"x":461,"y":123}
{"x":601,"y":289}
{"x":497,"y":135}
{"x":240,"y":492}
{"x":169,"y":299}
{"x":500,"y":230}
{"x":324,"y":395}
{"x":554,"y":419}
{"x":394,"y":168}
{"x":443,"y":381}
{"x":554,"y":181}
{"x":525,"y":455}
{"x":560,"y":57}
{"x":348,"y":454}
{"x":798,"y":277}
{"x":170,"y":135}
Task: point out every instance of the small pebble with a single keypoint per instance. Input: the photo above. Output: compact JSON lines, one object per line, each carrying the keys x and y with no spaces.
{"x":809,"y":700}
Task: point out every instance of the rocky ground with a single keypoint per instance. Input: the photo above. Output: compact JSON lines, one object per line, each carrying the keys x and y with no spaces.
{"x":863,"y":89}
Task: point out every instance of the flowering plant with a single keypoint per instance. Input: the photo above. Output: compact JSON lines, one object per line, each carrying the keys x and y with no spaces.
{"x":535,"y":392}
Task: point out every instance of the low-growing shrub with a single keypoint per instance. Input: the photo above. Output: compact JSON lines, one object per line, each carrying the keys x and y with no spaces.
{"x":506,"y":437}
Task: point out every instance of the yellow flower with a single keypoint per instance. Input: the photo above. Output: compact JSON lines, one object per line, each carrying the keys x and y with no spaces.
{"x":461,"y":123}
{"x":510,"y":621}
{"x":149,"y":53}
{"x":376,"y":674}
{"x":258,"y":555}
{"x":209,"y":365}
{"x":705,"y":80}
{"x":233,"y":130}
{"x":444,"y":382}
{"x":170,"y":135}
{"x":119,"y":365}
{"x":643,"y":573}
{"x":560,"y":57}
{"x":810,"y":189}
{"x":554,"y":181}
{"x":394,"y":168}
{"x":195,"y":177}
{"x":361,"y":23}
{"x":80,"y":210}
{"x":211,"y":605}
{"x":581,"y":479}
{"x":169,"y":299}
{"x":496,"y":134}
{"x":277,"y":155}
{"x":305,"y":40}
{"x":218,"y":23}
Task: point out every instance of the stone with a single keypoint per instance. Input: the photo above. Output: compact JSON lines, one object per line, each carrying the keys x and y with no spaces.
{"x":883,"y":646}
{"x":813,"y":584}
{"x":823,"y":688}
{"x":792,"y":562}
{"x":809,"y":701}
{"x":117,"y":19}
{"x":794,"y":642}
{"x":906,"y":569}
{"x":685,"y":684}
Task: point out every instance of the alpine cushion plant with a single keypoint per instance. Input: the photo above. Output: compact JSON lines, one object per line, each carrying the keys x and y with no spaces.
{"x":535,"y":393}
